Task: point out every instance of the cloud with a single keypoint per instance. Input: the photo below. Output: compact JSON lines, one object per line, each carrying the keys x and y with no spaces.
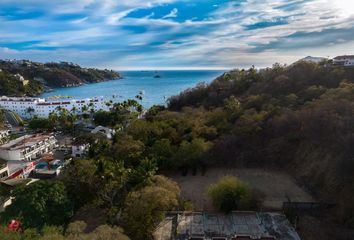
{"x":172,"y":14}
{"x":170,"y":33}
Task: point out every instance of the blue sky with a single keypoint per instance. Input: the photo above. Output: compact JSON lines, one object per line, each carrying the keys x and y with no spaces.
{"x":175,"y":34}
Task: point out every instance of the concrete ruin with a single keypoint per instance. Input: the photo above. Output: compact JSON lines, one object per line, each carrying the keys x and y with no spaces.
{"x":233,"y":226}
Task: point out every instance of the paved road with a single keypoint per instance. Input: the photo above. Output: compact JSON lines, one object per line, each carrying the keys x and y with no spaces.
{"x":11,"y":119}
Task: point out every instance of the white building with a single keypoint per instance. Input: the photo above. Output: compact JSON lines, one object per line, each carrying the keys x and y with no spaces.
{"x":346,"y":60}
{"x":107,"y":132}
{"x":30,"y":107}
{"x":79,"y":149}
{"x":27,"y":148}
{"x":4,"y":170}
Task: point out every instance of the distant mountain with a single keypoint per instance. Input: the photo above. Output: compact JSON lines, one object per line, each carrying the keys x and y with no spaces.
{"x":53,"y":74}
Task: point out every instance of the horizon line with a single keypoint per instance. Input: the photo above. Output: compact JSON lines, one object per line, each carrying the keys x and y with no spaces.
{"x":171,"y":68}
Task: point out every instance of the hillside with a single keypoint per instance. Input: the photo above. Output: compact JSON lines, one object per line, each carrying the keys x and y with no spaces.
{"x":298,"y":118}
{"x":295,"y":119}
{"x":11,"y":86}
{"x":61,"y":74}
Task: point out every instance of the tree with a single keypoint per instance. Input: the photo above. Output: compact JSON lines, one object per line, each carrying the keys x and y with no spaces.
{"x":75,"y":231}
{"x":230,"y":194}
{"x":43,"y":202}
{"x":190,"y":154}
{"x":144,"y":208}
{"x":37,"y":123}
{"x":81,"y":182}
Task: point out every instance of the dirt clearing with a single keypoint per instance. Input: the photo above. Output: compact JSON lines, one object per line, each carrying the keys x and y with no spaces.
{"x":277,"y":187}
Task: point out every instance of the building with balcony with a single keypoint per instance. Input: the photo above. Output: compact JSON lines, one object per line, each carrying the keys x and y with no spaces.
{"x":27,"y":107}
{"x":346,"y":61}
{"x":28,"y":147}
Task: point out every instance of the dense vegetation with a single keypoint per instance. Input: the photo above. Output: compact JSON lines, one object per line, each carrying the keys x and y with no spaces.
{"x":75,"y":231}
{"x":298,"y":118}
{"x":61,"y":74}
{"x":11,"y":86}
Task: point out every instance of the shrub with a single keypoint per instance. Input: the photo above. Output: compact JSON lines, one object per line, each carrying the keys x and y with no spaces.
{"x":230,"y":194}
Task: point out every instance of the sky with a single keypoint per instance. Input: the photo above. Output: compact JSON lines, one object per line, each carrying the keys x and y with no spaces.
{"x":175,"y":34}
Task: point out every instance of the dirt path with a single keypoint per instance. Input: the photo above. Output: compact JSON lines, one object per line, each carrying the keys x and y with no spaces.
{"x":276,"y":186}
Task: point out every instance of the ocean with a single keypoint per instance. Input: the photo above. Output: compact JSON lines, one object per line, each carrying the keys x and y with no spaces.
{"x":156,"y":90}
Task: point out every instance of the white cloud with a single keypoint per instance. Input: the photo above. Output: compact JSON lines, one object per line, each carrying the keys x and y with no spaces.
{"x":172,"y":14}
{"x":221,"y":38}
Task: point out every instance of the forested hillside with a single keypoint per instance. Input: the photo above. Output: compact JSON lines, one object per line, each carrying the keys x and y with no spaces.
{"x":298,"y":118}
{"x":61,"y":74}
{"x":11,"y":86}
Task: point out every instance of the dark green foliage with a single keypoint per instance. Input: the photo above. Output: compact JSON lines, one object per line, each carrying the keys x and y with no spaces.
{"x":61,"y":74}
{"x":38,"y":204}
{"x":37,"y":123}
{"x":10,"y":86}
{"x":120,"y":115}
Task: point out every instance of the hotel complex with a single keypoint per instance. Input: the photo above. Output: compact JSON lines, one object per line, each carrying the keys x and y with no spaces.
{"x":27,"y":148}
{"x":19,"y":157}
{"x":27,"y":107}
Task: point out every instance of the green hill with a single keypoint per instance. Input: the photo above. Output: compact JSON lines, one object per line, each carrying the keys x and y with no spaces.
{"x":62,"y":74}
{"x":11,"y":86}
{"x":298,"y":118}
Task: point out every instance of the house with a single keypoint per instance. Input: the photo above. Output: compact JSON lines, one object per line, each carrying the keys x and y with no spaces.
{"x":20,"y":169}
{"x":20,"y":78}
{"x":28,"y":147}
{"x":345,"y":60}
{"x":4,"y":170}
{"x":107,"y":132}
{"x":233,"y":226}
{"x":79,"y":149}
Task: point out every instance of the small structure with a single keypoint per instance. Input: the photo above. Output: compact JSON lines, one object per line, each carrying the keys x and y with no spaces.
{"x":47,"y":170}
{"x":4,"y":134}
{"x":107,"y":132}
{"x":346,"y":61}
{"x":4,"y":170}
{"x":79,"y":147}
{"x":20,"y":78}
{"x":28,"y":147}
{"x":236,"y":225}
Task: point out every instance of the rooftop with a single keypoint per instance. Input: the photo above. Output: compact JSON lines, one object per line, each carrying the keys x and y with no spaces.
{"x":344,"y":57}
{"x":250,"y":225}
{"x":25,"y":141}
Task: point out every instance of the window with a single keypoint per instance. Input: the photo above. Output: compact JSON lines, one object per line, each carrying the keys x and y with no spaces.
{"x":4,"y":175}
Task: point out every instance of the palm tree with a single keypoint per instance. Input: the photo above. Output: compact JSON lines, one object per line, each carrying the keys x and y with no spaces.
{"x":73,"y":110}
{"x":30,"y":110}
{"x":84,"y":109}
